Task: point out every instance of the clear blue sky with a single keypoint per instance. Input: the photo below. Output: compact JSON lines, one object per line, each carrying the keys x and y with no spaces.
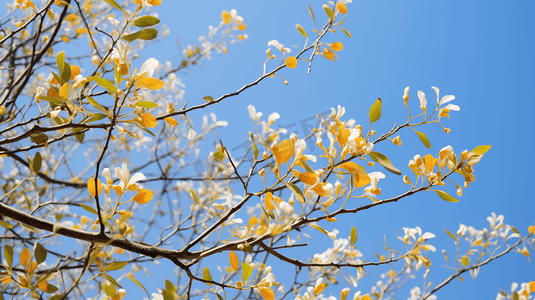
{"x":481,"y":52}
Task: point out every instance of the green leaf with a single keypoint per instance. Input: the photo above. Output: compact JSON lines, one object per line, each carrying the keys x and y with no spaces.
{"x":110,"y":87}
{"x":146,"y":104}
{"x":58,"y":78}
{"x":170,"y":286}
{"x":515,"y":230}
{"x":138,"y":283}
{"x":114,"y":4}
{"x":96,"y":117}
{"x":38,"y":138}
{"x":60,"y":60}
{"x":346,"y":32}
{"x":516,"y":296}
{"x":424,"y":139}
{"x":446,"y":197}
{"x":51,"y":289}
{"x":307,"y":167}
{"x":55,"y":297}
{"x":329,"y":11}
{"x":464,"y":261}
{"x":6,"y":224}
{"x":97,"y":105}
{"x":481,"y":149}
{"x":146,"y":21}
{"x":39,"y":252}
{"x":80,"y":136}
{"x":451,"y":235}
{"x":384,"y":161}
{"x":89,"y":209}
{"x":219,"y":156}
{"x":301,"y":30}
{"x":255,"y":149}
{"x":246,"y":271}
{"x":208,"y":98}
{"x":114,"y":266}
{"x":111,"y":279}
{"x":169,"y":295}
{"x":66,"y":72}
{"x":207,"y":276}
{"x":110,"y":290}
{"x":53,"y":101}
{"x":145,"y":34}
{"x":195,"y":198}
{"x":36,"y":164}
{"x":353,"y":235}
{"x":319,"y":229}
{"x":219,"y":297}
{"x":311,"y":14}
{"x":8,"y":255}
{"x":297,"y":192}
{"x":375,"y":110}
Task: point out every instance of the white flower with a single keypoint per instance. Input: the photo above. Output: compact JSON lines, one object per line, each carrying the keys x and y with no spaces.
{"x":124,"y":175}
{"x":279,"y":46}
{"x":255,"y":116}
{"x":423,"y":101}
{"x":372,"y":189}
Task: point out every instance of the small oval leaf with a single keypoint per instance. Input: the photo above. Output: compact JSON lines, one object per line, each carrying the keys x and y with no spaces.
{"x":246,"y":271}
{"x":353,"y":235}
{"x":146,"y":104}
{"x":110,"y":87}
{"x":446,"y":197}
{"x":114,"y":266}
{"x":39,"y":252}
{"x":375,"y":110}
{"x":481,"y":149}
{"x":8,"y":255}
{"x":234,"y":261}
{"x":297,"y":192}
{"x":424,"y":139}
{"x":207,"y":276}
{"x":384,"y":161}
{"x":146,"y":21}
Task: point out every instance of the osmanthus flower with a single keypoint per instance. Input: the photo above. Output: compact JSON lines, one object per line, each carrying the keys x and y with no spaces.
{"x":143,"y":79}
{"x":446,"y":109}
{"x":120,"y":57}
{"x":373,"y":189}
{"x":279,"y":46}
{"x":265,"y":286}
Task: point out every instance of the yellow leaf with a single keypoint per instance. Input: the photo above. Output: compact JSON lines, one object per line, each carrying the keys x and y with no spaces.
{"x":329,"y":54}
{"x":360,"y":178}
{"x":91,"y":187}
{"x":268,"y":294}
{"x":267,"y":201}
{"x":283,"y":152}
{"x":64,"y":92}
{"x":75,"y":70}
{"x":336,"y":46}
{"x":291,"y":62}
{"x":226,"y":17}
{"x":149,"y":120}
{"x":154,"y":2}
{"x":207,"y":276}
{"x":150,"y":83}
{"x":429,"y":162}
{"x":143,"y":196}
{"x":234,"y":261}
{"x":25,"y":256}
{"x":253,"y":221}
{"x":307,"y":178}
{"x":171,"y":121}
{"x":301,"y":30}
{"x":43,"y":285}
{"x":341,"y":8}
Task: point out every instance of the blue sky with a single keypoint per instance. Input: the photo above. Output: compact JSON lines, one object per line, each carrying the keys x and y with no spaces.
{"x":481,"y":52}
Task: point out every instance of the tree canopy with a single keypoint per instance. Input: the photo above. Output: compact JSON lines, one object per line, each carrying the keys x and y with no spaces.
{"x":109,"y":174}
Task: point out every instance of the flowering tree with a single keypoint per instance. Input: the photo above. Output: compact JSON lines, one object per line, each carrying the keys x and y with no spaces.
{"x":84,"y":214}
